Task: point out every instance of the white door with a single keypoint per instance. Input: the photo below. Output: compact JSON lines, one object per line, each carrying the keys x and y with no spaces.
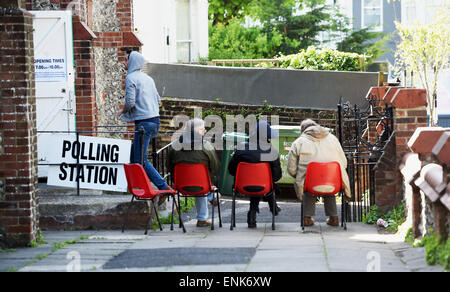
{"x":54,"y":77}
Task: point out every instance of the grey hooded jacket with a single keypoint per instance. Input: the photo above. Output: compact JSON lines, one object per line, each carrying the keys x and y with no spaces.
{"x":141,"y":99}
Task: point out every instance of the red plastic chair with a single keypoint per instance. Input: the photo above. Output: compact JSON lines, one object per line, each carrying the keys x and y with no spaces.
{"x":324,"y":179}
{"x":252,"y":179}
{"x":140,"y":187}
{"x":193,"y":180}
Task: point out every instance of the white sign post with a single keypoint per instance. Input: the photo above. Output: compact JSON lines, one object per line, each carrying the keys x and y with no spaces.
{"x":92,"y":162}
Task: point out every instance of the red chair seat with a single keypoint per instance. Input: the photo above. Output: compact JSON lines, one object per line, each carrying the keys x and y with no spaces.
{"x":141,"y":189}
{"x":324,"y":179}
{"x":253,"y":180}
{"x":193,"y":180}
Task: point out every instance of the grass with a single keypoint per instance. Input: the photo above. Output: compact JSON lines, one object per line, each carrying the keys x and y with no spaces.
{"x":40,"y":240}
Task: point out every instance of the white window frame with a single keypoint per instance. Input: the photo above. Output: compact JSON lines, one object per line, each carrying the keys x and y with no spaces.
{"x":187,"y":41}
{"x":363,"y":8}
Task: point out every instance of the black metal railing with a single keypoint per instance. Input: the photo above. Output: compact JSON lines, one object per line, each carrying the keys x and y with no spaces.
{"x":363,"y":134}
{"x":159,"y":160}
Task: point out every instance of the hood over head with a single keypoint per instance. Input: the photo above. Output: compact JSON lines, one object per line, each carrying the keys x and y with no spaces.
{"x":135,"y":62}
{"x":312,"y":129}
{"x":317,"y":132}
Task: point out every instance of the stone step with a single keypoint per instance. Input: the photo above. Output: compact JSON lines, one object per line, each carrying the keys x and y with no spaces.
{"x":63,"y":209}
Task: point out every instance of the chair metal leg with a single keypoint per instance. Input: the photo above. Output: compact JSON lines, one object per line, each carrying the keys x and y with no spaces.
{"x":218,"y":209}
{"x":126,"y":216}
{"x":179,"y":209}
{"x":179,"y":215}
{"x":232,"y":211}
{"x":173,"y":207}
{"x":342,"y":210}
{"x":302,"y":220}
{"x":345,"y":214}
{"x":212,"y":215}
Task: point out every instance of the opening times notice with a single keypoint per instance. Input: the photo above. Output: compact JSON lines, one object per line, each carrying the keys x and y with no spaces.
{"x":48,"y":69}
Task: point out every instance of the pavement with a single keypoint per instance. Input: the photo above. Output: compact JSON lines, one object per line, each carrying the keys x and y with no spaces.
{"x":319,"y":248}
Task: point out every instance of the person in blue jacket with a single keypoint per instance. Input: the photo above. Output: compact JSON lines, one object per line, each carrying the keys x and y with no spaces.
{"x":142,"y":107}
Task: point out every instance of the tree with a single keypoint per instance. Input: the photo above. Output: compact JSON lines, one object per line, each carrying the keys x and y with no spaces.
{"x":424,"y":50}
{"x":234,"y":41}
{"x":362,"y":42}
{"x":299,"y":21}
{"x":223,"y":11}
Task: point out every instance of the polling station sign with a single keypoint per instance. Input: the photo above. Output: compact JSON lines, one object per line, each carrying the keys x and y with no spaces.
{"x":99,"y":167}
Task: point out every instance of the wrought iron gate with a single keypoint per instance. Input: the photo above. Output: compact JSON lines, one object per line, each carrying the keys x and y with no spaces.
{"x":363,"y":133}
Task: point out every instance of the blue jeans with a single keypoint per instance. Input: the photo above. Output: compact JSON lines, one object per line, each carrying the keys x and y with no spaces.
{"x":151,"y":131}
{"x":201,"y":204}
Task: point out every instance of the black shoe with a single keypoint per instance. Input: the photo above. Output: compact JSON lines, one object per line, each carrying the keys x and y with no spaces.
{"x":277,"y":210}
{"x":251,"y":219}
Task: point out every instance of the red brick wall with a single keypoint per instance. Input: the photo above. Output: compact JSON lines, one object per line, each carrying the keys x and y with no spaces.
{"x":18,"y":151}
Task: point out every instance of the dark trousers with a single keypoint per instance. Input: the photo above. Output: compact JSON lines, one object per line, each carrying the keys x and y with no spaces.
{"x":254,"y":201}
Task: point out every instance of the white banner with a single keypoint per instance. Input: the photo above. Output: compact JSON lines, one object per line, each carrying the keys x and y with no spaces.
{"x":99,"y":159}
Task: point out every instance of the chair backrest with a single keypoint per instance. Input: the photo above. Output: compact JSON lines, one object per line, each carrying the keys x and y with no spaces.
{"x":192,"y":179}
{"x":323,"y":178}
{"x":138,"y":182}
{"x":253,"y":179}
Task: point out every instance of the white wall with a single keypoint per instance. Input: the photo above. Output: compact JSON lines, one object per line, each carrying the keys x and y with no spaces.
{"x":154,"y":20}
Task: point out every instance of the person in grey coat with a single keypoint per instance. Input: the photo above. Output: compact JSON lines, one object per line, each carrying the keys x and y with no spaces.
{"x":142,"y":107}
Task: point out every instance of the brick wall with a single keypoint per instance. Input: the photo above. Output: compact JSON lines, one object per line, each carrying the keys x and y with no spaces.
{"x":18,"y":155}
{"x":287,"y":116}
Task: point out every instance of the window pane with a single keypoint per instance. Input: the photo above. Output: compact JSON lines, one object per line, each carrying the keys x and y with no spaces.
{"x":372,"y":3}
{"x":184,"y":52}
{"x":372,"y":17}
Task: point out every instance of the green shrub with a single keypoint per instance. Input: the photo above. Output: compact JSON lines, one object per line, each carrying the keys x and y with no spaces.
{"x":322,"y":59}
{"x":436,"y":251}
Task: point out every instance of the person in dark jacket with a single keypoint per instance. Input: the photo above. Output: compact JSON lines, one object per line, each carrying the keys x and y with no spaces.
{"x":193,"y":149}
{"x":259,"y":149}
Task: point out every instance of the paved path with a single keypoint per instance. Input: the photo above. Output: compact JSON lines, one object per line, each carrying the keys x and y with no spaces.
{"x":319,"y":248}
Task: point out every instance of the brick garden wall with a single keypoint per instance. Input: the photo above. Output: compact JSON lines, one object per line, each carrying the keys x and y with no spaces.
{"x":287,"y":115}
{"x":18,"y":156}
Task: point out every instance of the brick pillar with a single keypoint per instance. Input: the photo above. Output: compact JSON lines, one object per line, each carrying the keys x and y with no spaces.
{"x":18,"y":148}
{"x":410,"y":113}
{"x":83,"y":47}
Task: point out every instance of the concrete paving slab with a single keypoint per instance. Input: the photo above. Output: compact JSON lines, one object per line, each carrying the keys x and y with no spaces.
{"x":286,"y":249}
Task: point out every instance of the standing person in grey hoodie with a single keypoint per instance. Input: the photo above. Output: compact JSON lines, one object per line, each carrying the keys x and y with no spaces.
{"x":142,"y":107}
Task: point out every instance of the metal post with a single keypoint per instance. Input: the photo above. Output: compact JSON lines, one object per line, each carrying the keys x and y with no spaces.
{"x":78,"y":164}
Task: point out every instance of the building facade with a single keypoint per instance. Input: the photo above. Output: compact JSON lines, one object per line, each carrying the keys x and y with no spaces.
{"x":172,"y":31}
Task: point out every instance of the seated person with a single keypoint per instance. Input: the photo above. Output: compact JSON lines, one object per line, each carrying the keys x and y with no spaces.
{"x":253,"y":153}
{"x":191,"y":140}
{"x":316,"y":144}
